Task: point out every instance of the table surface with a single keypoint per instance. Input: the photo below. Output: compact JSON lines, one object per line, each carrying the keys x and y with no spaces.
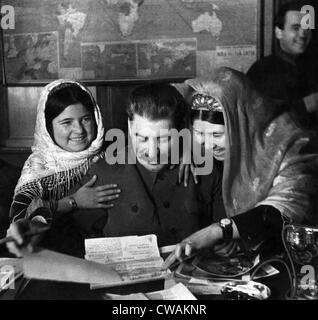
{"x":52,"y":290}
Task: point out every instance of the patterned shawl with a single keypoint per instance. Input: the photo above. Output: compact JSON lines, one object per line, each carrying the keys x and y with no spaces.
{"x":266,"y":162}
{"x":50,"y":171}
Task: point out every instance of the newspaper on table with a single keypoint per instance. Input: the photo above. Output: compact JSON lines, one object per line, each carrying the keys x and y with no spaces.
{"x":134,"y":258}
{"x":202,"y":283}
{"x":177,"y":292}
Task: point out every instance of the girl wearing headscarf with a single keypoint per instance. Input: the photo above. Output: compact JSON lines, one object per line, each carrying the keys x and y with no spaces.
{"x":68,"y":139}
{"x":269,"y":167}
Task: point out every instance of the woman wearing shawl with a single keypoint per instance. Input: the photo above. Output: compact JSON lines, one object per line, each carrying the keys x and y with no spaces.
{"x":269,"y":174}
{"x":68,"y":139}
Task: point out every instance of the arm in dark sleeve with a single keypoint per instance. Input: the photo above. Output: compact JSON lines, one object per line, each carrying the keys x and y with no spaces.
{"x":217,"y":205}
{"x":19,"y":206}
{"x":21,"y":203}
{"x":259,"y":224}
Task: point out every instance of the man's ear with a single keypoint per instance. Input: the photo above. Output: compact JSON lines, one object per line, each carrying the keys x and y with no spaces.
{"x":278,"y":33}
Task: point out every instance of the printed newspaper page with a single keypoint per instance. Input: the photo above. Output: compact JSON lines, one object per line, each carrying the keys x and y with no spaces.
{"x":134,"y":258}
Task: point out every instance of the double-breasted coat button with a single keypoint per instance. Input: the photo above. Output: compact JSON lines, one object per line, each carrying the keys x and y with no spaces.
{"x":134,"y":208}
{"x":173,"y":231}
{"x":166,"y":204}
{"x":200,"y":197}
{"x":160,"y":176}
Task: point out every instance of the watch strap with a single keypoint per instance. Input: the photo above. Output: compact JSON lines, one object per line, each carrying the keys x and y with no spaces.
{"x":227,"y":228}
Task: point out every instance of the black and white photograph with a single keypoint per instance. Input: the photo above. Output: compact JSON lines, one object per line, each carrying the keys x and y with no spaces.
{"x":162,"y":150}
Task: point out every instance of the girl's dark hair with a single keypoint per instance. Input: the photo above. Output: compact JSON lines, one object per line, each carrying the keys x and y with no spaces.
{"x":215,"y":117}
{"x":63,"y":96}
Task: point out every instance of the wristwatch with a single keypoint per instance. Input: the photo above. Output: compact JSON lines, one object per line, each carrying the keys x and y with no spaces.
{"x":72,"y":203}
{"x":226,"y":225}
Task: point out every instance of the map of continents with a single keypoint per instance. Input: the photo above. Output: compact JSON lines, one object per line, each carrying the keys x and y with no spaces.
{"x":31,"y":56}
{"x":123,"y":39}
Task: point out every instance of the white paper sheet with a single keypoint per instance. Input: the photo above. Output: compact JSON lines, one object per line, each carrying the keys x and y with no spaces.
{"x":135,"y":258}
{"x":118,"y":249}
{"x":177,"y":292}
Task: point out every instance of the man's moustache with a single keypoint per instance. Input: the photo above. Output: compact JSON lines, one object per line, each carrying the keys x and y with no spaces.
{"x":148,"y":159}
{"x":156,"y":160}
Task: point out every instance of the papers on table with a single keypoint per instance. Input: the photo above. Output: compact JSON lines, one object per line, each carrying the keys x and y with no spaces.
{"x":177,"y":292}
{"x":197,"y":281}
{"x":121,"y":249}
{"x":229,"y":267}
{"x":266,"y":271}
{"x":109,"y":262}
{"x":134,"y":258}
{"x":202,"y":283}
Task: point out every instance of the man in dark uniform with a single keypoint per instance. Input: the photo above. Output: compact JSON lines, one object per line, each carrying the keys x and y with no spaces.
{"x":151,"y":200}
{"x":288,"y":75}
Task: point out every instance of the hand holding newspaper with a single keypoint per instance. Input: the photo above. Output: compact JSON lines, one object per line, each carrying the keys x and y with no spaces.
{"x":134,"y":258}
{"x":109,"y":262}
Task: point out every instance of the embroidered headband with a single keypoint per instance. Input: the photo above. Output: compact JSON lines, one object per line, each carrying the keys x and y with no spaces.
{"x":205,"y":102}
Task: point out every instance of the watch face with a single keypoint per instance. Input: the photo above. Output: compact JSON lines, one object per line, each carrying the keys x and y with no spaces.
{"x":227,"y":229}
{"x":226,"y":221}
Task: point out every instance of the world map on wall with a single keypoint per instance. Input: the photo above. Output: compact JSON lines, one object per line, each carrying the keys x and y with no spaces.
{"x":128,"y":39}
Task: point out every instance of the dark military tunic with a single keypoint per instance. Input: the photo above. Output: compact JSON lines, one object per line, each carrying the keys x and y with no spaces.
{"x":149,"y":203}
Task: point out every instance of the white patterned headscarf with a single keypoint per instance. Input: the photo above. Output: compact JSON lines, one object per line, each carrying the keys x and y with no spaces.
{"x":50,"y":171}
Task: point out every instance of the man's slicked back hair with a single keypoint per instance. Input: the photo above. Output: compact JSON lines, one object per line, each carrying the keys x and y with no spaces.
{"x":295,"y":5}
{"x":158,"y":102}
